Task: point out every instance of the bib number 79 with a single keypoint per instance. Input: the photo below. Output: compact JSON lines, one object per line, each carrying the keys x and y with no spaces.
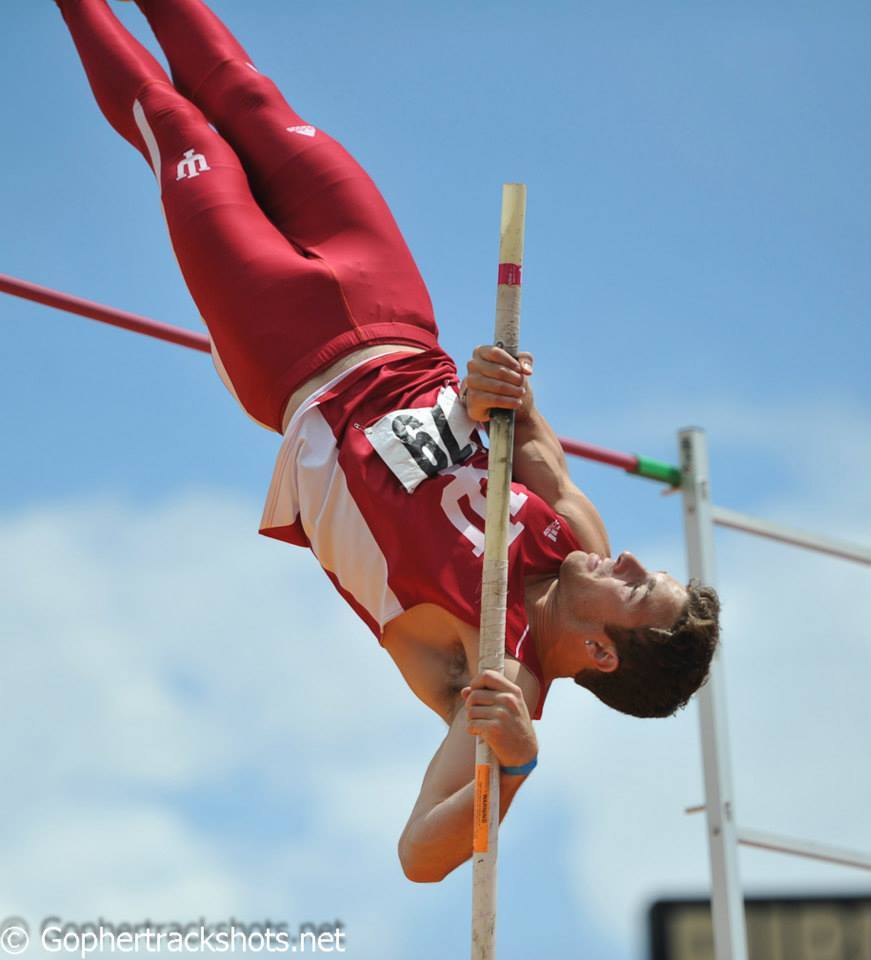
{"x":421,"y":442}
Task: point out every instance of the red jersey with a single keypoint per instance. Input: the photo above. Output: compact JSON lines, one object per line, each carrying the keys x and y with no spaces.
{"x":383,"y":476}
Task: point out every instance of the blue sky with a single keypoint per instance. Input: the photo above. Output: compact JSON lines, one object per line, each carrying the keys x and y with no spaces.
{"x":698,"y":244}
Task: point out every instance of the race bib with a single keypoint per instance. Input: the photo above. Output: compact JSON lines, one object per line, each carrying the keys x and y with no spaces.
{"x":419,"y":443}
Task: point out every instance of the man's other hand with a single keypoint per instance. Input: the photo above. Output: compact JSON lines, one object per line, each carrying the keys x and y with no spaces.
{"x":496,"y":711}
{"x":495,"y":379}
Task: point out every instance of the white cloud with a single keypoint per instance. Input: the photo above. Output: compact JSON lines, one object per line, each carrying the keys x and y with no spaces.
{"x":159,"y":657}
{"x":194,"y":723}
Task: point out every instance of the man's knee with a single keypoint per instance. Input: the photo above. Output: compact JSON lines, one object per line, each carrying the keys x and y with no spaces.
{"x":161,"y":103}
{"x":242,"y":89}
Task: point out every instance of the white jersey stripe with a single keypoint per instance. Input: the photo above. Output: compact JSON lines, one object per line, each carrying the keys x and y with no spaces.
{"x":309,"y":483}
{"x":519,"y":646}
{"x":149,"y":138}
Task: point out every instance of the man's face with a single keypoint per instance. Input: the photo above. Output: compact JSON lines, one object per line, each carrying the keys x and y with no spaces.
{"x":619,"y":592}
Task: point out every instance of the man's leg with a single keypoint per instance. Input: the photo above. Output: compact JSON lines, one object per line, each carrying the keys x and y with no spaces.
{"x":116,"y":64}
{"x":248,"y":282}
{"x":310,"y":187}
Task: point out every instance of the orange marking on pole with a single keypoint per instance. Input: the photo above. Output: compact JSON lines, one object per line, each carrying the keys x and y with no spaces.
{"x":481,"y":833}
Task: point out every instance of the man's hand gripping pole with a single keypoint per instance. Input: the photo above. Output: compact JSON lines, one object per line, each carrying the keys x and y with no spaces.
{"x":494,"y":589}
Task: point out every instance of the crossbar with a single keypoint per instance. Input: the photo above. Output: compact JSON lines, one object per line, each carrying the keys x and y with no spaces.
{"x":797,"y":538}
{"x":588,"y":451}
{"x":99,"y":311}
{"x":630,"y":462}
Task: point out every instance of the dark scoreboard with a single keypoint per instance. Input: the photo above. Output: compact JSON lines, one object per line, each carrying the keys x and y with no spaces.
{"x":778,"y":928}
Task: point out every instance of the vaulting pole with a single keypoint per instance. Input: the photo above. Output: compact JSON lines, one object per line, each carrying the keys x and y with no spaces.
{"x":494,"y":587}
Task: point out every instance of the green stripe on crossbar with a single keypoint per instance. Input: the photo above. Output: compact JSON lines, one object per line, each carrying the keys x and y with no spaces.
{"x":656,"y":470}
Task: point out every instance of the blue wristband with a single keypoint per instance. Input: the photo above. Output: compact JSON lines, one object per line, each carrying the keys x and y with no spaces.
{"x":521,"y":771}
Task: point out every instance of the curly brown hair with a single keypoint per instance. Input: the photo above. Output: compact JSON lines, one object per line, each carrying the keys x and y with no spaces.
{"x":660,"y":669}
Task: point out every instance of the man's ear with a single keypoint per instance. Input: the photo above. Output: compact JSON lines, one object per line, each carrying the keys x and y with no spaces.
{"x":604,"y":655}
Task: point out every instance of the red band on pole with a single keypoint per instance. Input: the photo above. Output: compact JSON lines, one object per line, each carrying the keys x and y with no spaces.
{"x":509,"y":274}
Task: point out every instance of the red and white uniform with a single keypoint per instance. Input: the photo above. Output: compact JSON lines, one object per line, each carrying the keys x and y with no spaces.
{"x":295,"y":261}
{"x":383,"y":475}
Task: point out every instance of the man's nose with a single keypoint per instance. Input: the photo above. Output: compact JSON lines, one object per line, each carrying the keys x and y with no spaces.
{"x":627,"y":562}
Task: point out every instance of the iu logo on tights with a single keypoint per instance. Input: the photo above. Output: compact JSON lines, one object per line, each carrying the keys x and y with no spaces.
{"x":192,"y":165}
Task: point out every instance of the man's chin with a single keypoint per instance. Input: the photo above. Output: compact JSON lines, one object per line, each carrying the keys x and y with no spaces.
{"x":575,"y":563}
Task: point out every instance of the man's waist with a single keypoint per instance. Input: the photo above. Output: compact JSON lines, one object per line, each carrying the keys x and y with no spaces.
{"x":331,"y":375}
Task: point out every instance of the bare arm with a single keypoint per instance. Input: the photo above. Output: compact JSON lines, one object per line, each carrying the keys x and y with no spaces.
{"x":438,"y":835}
{"x":496,"y":379}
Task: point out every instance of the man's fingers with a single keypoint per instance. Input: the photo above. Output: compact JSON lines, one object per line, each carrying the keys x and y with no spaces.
{"x":484,"y":712}
{"x":493,"y":354}
{"x":488,"y":384}
{"x":486,"y":697}
{"x":504,"y":363}
{"x":489,"y":400}
{"x":493,"y":680}
{"x":495,"y":373}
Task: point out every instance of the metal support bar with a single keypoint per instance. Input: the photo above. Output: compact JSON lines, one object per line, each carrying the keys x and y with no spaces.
{"x":727,"y":904}
{"x":777,"y":843}
{"x":774,"y":531}
{"x":804,"y":848}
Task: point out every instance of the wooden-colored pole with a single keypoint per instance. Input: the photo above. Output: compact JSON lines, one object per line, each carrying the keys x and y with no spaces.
{"x":494,"y":589}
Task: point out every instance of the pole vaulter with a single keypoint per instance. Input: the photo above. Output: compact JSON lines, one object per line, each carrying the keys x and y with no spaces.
{"x":322,"y":329}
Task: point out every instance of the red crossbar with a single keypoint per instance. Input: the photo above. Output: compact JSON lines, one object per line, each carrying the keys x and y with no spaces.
{"x":97,"y":311}
{"x":588,"y":451}
{"x":199,"y":341}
